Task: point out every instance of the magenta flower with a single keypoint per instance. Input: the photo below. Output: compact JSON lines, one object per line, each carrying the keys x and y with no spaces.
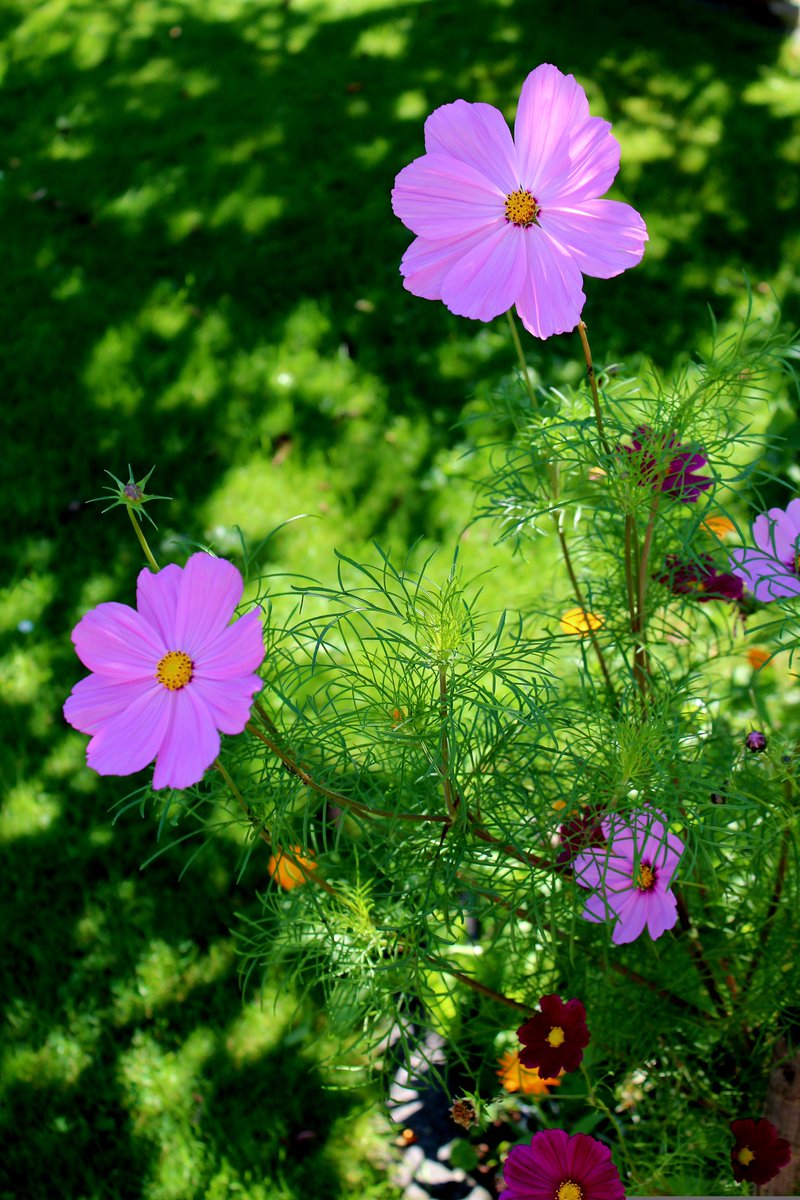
{"x":701,"y":580}
{"x":673,"y":469}
{"x":556,"y":1166}
{"x":166,"y":678}
{"x":630,"y":878}
{"x":504,"y":221}
{"x":773,"y":570}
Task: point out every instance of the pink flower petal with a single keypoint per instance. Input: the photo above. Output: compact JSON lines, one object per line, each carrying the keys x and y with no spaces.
{"x":210,"y":589}
{"x":583,"y":166}
{"x":488,"y":279}
{"x":662,"y":914}
{"x":631,"y":919}
{"x":604,"y":237}
{"x":115,"y":641}
{"x":229,"y":703}
{"x":425,"y":264}
{"x":157,"y":600}
{"x":550,"y":105}
{"x":476,"y":134}
{"x":95,"y":700}
{"x":236,"y":650}
{"x":438,"y":197}
{"x":552,"y":297}
{"x":190,"y":744}
{"x":130,"y":739}
{"x":765,"y":577}
{"x":777,"y":533}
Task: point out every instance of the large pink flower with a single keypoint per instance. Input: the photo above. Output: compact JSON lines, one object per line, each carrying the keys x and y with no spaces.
{"x":166,"y":678}
{"x":556,"y":1166}
{"x":503,"y":221}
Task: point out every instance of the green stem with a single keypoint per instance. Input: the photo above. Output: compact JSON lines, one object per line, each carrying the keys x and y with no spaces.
{"x":137,"y":529}
{"x":576,"y":587}
{"x":598,"y":416}
{"x":523,"y":366}
{"x":596,"y":1102}
{"x":447,"y":786}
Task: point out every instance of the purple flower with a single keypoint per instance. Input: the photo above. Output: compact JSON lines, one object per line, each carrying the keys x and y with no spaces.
{"x":504,"y":221}
{"x":700,"y":579}
{"x":556,"y":1166}
{"x":167,"y":677}
{"x":773,"y":570}
{"x":581,"y":829}
{"x":630,"y":879}
{"x":755,"y":741}
{"x":671,"y":468}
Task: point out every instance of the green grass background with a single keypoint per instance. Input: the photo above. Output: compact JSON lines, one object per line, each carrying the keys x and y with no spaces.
{"x":200,"y":270}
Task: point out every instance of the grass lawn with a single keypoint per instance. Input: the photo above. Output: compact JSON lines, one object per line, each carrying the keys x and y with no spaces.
{"x":200,"y":271}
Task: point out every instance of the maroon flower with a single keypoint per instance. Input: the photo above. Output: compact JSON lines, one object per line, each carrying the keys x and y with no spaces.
{"x":759,"y":1154}
{"x":670,"y":468}
{"x":756,"y":741}
{"x":582,"y":829}
{"x":556,"y":1166}
{"x":555,"y":1037}
{"x":700,"y":579}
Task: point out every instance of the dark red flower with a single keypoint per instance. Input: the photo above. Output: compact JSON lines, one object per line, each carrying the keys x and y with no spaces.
{"x":700,"y":579}
{"x":759,"y":1154}
{"x":555,"y":1037}
{"x":756,"y":741}
{"x":581,"y":830}
{"x":670,"y":468}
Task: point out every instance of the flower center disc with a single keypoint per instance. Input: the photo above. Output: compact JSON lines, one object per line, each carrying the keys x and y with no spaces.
{"x":174,"y":670}
{"x":646,"y":878}
{"x":521,"y":208}
{"x":555,"y":1037}
{"x":745,"y":1156}
{"x":569,"y":1191}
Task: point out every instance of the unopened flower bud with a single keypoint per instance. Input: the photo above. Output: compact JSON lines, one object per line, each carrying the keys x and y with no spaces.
{"x":133,"y":492}
{"x":756,"y":741}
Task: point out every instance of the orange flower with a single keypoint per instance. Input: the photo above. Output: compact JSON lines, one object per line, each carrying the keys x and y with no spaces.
{"x":287,"y":871}
{"x":516,"y":1078}
{"x":577,"y":620}
{"x":718,"y":525}
{"x":757,"y":656}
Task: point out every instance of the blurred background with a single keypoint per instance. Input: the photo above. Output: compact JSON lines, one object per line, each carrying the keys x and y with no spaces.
{"x":201,"y":272}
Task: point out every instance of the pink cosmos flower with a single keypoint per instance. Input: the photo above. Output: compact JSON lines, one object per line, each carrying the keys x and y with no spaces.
{"x":631,"y":877}
{"x":166,"y":678}
{"x":504,"y":221}
{"x":773,"y":570}
{"x":556,"y":1166}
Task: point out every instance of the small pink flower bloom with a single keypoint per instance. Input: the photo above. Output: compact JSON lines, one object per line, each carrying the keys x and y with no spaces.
{"x":556,"y":1166}
{"x":166,"y":678}
{"x":631,"y":877}
{"x":504,"y":221}
{"x":772,"y":571}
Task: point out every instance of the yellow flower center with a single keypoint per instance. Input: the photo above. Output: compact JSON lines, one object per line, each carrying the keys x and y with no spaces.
{"x":569,"y":1191}
{"x":521,"y":208}
{"x":745,"y":1156}
{"x":174,"y":670}
{"x":646,"y":878}
{"x":556,"y":1036}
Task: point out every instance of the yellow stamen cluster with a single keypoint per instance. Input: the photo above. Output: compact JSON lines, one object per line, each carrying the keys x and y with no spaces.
{"x":745,"y":1156}
{"x":521,"y":208}
{"x":556,"y":1036}
{"x":174,"y":670}
{"x":569,"y":1191}
{"x":646,"y":878}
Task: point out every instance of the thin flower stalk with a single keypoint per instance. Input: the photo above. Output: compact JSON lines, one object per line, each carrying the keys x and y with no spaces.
{"x":590,"y":374}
